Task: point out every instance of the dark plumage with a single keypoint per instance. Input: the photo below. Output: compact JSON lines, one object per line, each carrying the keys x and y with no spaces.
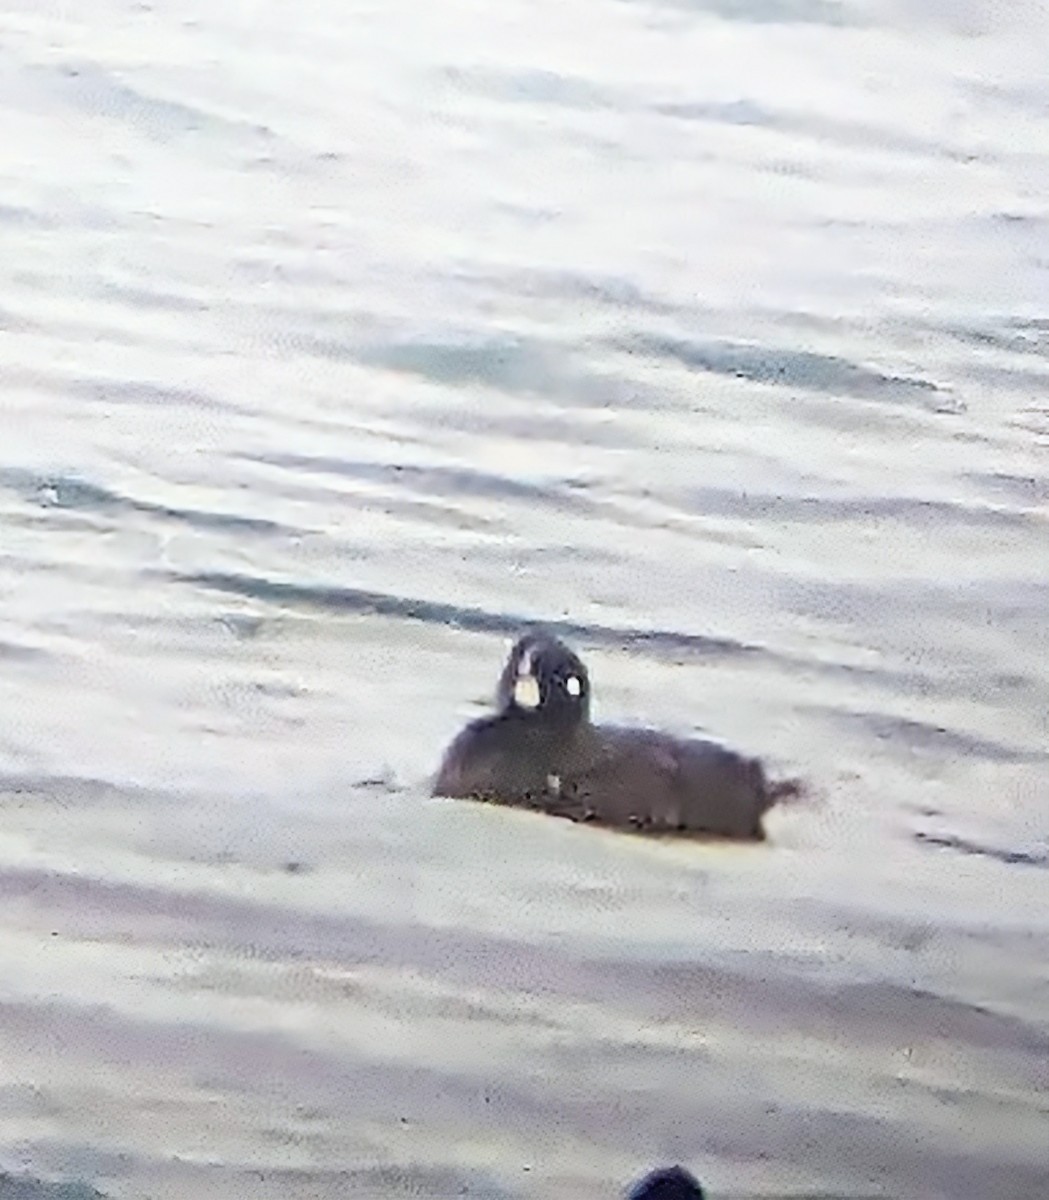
{"x":540,"y":750}
{"x":669,"y":1183}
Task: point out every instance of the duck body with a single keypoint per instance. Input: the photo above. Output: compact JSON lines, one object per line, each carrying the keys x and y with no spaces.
{"x":540,"y":750}
{"x":503,"y":760}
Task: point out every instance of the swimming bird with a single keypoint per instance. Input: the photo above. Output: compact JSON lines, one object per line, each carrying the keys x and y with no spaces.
{"x":540,"y":750}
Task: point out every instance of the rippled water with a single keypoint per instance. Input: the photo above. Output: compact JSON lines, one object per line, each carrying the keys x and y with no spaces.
{"x":340,"y":340}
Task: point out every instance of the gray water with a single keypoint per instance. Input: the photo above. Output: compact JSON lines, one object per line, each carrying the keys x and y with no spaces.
{"x":339,"y":340}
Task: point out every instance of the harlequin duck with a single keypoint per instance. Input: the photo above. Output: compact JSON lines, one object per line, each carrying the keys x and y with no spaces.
{"x":540,"y":750}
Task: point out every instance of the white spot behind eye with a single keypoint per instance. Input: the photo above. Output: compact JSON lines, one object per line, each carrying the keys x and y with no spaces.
{"x":526,"y":691}
{"x":574,"y":685}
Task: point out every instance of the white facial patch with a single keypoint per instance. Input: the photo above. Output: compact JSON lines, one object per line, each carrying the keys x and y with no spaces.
{"x":526,"y":686}
{"x":574,"y":685}
{"x":526,"y":691}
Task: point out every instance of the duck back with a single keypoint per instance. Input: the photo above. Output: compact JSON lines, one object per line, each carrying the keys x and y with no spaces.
{"x":648,"y":780}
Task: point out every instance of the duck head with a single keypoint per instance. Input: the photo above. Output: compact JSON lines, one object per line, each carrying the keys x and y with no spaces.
{"x":668,"y":1183}
{"x":545,"y":681}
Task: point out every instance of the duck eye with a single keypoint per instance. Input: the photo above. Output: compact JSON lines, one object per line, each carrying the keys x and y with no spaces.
{"x":574,"y":685}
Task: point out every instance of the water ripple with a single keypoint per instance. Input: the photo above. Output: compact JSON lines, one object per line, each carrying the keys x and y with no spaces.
{"x":929,"y":738}
{"x":661,"y":643}
{"x":917,"y":512}
{"x":26,"y":1187}
{"x":803,"y":369}
{"x":68,"y":492}
{"x":434,"y":480}
{"x":518,"y":366}
{"x":98,"y":91}
{"x":20,"y":652}
{"x":1010,"y":857}
{"x":474,"y":620}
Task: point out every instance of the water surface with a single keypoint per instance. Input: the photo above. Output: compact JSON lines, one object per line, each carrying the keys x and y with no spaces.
{"x":338,"y":343}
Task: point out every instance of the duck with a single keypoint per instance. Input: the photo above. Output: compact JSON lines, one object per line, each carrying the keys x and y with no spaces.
{"x":540,"y":750}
